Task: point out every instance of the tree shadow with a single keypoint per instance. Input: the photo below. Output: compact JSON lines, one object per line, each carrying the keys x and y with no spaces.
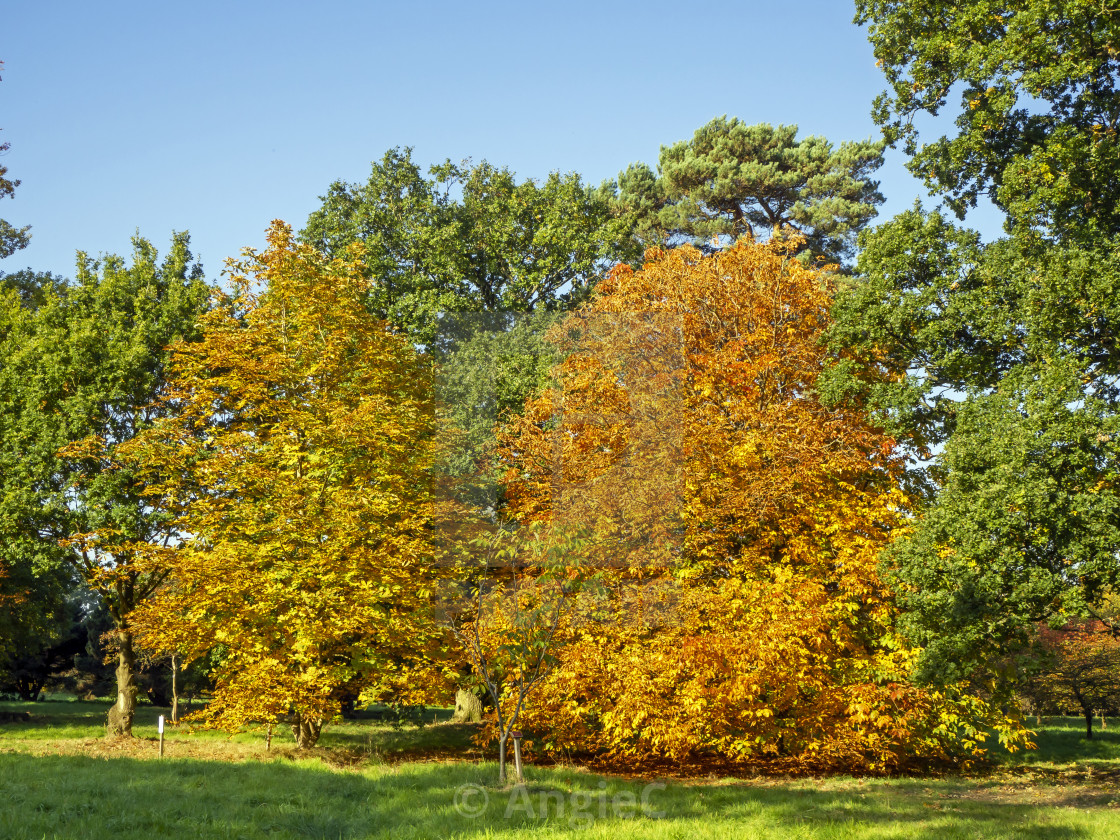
{"x":71,"y":796}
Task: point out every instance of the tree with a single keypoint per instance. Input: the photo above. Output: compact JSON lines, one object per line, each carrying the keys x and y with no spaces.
{"x":12,"y":238}
{"x":1038,"y":105}
{"x":294,"y":458}
{"x":996,"y":365}
{"x":80,"y":375}
{"x":468,"y":238}
{"x":34,"y":287}
{"x":1080,"y":668}
{"x":733,"y":180}
{"x":510,"y":625}
{"x":737,"y":521}
{"x":472,"y":265}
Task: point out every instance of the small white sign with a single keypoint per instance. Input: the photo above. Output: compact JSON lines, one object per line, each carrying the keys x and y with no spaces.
{"x":161,"y":724}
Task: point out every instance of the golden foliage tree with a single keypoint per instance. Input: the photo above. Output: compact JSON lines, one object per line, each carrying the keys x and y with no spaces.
{"x":739,"y":520}
{"x":296,"y":462}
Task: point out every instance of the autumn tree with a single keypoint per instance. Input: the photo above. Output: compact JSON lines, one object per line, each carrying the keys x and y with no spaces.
{"x":732,"y":179}
{"x":515,"y":593}
{"x":1080,"y":668}
{"x":738,"y":523}
{"x":295,"y":462}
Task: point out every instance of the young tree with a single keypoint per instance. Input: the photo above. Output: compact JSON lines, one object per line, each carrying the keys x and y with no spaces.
{"x":733,"y":180}
{"x":517,"y":592}
{"x":80,"y":373}
{"x":295,"y":458}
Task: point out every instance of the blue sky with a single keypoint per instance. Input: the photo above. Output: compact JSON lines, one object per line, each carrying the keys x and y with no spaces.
{"x":219,"y":117}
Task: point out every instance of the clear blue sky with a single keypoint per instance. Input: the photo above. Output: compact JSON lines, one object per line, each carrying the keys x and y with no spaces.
{"x":219,"y":117}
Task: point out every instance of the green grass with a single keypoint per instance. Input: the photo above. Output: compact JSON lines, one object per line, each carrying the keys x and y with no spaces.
{"x":59,"y":778}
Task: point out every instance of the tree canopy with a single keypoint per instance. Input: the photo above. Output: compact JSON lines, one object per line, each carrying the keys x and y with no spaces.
{"x":294,"y":460}
{"x":467,"y":238}
{"x":996,"y":363}
{"x":1033,"y":86}
{"x":738,"y":522}
{"x":732,"y":179}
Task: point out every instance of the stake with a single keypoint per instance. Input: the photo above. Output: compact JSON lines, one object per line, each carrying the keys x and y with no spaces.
{"x":517,"y":755}
{"x":161,"y":736}
{"x":268,"y":743}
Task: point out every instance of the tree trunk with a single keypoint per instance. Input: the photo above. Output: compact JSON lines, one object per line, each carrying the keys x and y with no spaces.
{"x":121,"y":714}
{"x":29,"y":688}
{"x":174,"y":689}
{"x":468,"y":707}
{"x":502,"y":759}
{"x":306,"y":731}
{"x":1089,"y":724}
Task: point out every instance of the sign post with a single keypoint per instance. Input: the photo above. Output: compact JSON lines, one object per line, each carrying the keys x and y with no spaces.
{"x":517,"y":754}
{"x":161,"y":736}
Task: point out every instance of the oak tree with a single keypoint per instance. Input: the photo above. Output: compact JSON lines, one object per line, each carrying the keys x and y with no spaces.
{"x":996,"y":365}
{"x":81,"y":370}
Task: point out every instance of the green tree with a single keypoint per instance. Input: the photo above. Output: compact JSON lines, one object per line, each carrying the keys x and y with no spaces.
{"x":467,"y":238}
{"x":732,"y":179}
{"x":80,"y":375}
{"x":1037,"y":113}
{"x":33,"y":287}
{"x":997,"y":364}
{"x":471,"y":264}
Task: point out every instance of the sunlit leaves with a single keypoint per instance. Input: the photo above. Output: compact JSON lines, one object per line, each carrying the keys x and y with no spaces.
{"x":297,"y":466}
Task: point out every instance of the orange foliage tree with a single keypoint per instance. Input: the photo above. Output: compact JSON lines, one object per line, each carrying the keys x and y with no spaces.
{"x":738,"y":521}
{"x":296,"y":462}
{"x":1080,"y":669}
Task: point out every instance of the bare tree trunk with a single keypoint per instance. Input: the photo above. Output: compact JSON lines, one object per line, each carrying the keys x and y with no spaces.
{"x":124,"y":710}
{"x":174,"y":689}
{"x":502,"y":759}
{"x":1089,"y":724}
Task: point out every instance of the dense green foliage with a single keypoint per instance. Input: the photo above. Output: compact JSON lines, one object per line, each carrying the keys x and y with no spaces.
{"x":732,"y":179}
{"x":82,"y":371}
{"x":999,"y":361}
{"x":467,"y":238}
{"x":461,"y":257}
{"x":1037,"y":113}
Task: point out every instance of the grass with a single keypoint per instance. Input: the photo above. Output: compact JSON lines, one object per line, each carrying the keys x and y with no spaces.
{"x":60,"y":778}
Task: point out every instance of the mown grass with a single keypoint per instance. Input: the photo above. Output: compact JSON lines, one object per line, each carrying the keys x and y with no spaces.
{"x":60,"y":778}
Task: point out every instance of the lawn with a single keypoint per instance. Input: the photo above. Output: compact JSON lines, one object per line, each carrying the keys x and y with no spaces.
{"x":59,"y":778}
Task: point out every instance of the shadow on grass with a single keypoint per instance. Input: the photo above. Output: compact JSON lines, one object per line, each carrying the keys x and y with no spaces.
{"x":78,"y":796}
